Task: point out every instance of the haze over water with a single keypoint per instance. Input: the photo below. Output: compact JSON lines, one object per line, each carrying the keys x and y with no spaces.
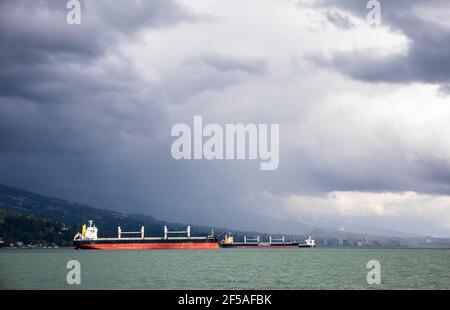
{"x":226,"y":269}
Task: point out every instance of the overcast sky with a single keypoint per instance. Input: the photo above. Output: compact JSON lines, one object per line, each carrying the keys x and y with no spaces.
{"x":86,"y":110}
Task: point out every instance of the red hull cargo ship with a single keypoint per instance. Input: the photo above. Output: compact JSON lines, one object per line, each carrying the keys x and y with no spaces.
{"x":88,"y":240}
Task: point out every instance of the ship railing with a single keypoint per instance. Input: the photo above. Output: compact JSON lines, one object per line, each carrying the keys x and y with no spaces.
{"x":249,"y":240}
{"x":281,"y":240}
{"x":167,"y":232}
{"x":120,"y":233}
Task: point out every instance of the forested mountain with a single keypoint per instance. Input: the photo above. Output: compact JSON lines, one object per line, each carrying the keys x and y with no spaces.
{"x":31,"y":218}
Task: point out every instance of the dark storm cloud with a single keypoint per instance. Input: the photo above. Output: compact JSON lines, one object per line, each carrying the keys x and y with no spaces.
{"x":86,"y":116}
{"x":36,"y":32}
{"x":38,"y":46}
{"x":76,"y":125}
{"x":427,"y":58}
{"x":65,"y":109}
{"x":128,"y":16}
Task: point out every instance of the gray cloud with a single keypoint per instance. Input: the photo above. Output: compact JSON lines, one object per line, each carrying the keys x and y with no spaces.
{"x":36,"y":40}
{"x":427,"y":58}
{"x":46,"y":61}
{"x":227,"y":63}
{"x":89,"y":127}
{"x":445,"y":89}
{"x":38,"y":29}
{"x":85,"y":117}
{"x":339,"y":20}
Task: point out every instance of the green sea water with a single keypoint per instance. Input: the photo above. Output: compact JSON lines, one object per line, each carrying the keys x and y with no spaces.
{"x":317,"y":268}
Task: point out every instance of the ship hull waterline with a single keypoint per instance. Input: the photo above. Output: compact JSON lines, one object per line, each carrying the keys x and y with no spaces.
{"x":261,"y":247}
{"x":142,"y":244}
{"x":293,"y":245}
{"x":150,"y":246}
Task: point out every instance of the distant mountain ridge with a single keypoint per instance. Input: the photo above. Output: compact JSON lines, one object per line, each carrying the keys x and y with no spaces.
{"x":27,"y":206}
{"x":39,"y":218}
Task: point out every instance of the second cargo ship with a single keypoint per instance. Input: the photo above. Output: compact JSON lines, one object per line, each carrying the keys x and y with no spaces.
{"x":89,"y":240}
{"x":256,"y":243}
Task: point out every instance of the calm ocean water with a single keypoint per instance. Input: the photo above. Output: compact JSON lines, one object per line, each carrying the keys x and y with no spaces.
{"x":227,"y":269}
